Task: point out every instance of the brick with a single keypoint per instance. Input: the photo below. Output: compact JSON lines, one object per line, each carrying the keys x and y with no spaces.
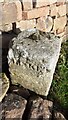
{"x":9,"y":13}
{"x":53,"y":10}
{"x":27,"y":4}
{"x":40,"y":3}
{"x":59,"y":23}
{"x":62,"y":10}
{"x":26,"y":24}
{"x":45,"y":24}
{"x":52,"y":1}
{"x":19,"y":9}
{"x":60,"y":2}
{"x":6,"y":27}
{"x":35,"y":13}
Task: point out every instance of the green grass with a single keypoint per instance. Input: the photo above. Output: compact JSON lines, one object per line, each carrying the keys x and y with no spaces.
{"x":59,"y":88}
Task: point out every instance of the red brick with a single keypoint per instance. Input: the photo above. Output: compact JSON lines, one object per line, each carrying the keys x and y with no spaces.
{"x":27,"y":4}
{"x":26,"y":24}
{"x":35,"y":13}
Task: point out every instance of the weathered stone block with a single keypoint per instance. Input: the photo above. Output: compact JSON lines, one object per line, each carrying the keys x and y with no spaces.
{"x":13,"y":107}
{"x":32,"y":60}
{"x":41,"y":109}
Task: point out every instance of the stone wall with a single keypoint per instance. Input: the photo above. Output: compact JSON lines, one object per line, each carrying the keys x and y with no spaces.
{"x":45,"y":15}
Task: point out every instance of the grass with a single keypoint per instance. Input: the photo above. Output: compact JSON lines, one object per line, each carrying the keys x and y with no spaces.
{"x":59,"y":88}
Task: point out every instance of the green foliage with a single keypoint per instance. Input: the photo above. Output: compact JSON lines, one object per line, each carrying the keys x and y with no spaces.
{"x":59,"y":88}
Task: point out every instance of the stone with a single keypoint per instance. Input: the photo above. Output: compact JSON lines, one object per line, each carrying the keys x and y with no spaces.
{"x":62,"y":10}
{"x":35,"y":13}
{"x":40,"y":109}
{"x":27,"y":4}
{"x":1,"y":0}
{"x":53,"y":10}
{"x":40,"y":3}
{"x":26,"y":24}
{"x":59,"y":23}
{"x":58,"y":116}
{"x":9,"y":13}
{"x":6,"y":28}
{"x":4,"y":86}
{"x":13,"y":107}
{"x":34,"y":60}
{"x":19,"y":9}
{"x":44,"y":24}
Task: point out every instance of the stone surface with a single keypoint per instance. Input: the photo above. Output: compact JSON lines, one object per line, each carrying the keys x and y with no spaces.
{"x":45,"y":24}
{"x":13,"y":107}
{"x":53,"y":10}
{"x":4,"y":86}
{"x":59,"y":23}
{"x":19,"y":9}
{"x":26,"y":24}
{"x":62,"y":10}
{"x":35,"y":13}
{"x":32,"y":58}
{"x":58,"y":116}
{"x":9,"y":13}
{"x":27,"y":4}
{"x":6,"y":28}
{"x":41,"y":109}
{"x":40,"y":3}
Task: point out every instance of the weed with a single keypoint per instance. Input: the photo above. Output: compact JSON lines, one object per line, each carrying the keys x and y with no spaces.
{"x":59,"y":88}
